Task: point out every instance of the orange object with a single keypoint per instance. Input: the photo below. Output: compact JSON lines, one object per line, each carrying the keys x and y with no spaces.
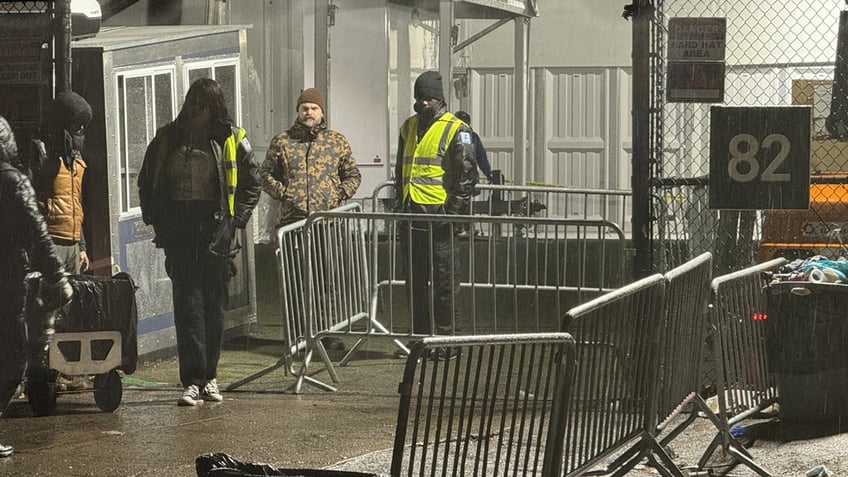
{"x":819,"y":230}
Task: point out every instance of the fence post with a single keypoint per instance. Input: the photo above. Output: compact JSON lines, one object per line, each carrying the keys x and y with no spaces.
{"x":63,"y":45}
{"x":642,"y":13}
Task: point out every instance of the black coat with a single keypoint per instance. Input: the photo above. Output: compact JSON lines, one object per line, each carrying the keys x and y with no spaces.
{"x":23,"y":233}
{"x":154,"y":197}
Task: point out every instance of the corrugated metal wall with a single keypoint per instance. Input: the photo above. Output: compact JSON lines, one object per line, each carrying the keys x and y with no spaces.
{"x":580,"y":125}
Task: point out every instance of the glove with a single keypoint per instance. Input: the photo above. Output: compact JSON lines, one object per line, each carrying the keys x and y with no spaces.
{"x":457,"y":206}
{"x":224,"y":242}
{"x":59,"y":293}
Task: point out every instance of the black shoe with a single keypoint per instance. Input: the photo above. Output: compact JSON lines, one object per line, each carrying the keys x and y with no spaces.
{"x":333,"y":344}
{"x":444,"y":353}
{"x":6,"y":451}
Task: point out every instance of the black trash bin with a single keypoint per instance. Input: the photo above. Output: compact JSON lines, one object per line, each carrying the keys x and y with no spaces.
{"x":807,"y":348}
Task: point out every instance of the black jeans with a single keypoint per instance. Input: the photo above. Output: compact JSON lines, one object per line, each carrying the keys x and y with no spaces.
{"x":13,"y":343}
{"x":199,"y":282}
{"x":419,"y":260}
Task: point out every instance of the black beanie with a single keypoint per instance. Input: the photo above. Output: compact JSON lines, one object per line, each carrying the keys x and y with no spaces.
{"x":71,"y":111}
{"x":429,"y":86}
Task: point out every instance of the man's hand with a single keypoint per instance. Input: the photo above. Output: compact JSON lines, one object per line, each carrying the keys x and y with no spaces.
{"x":84,"y":262}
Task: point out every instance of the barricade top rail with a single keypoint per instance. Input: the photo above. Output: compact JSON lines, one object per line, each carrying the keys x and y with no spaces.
{"x":553,"y":189}
{"x":523,"y":188}
{"x":627,"y":290}
{"x":500,"y":339}
{"x":463,"y":219}
{"x":689,"y":266}
{"x":752,"y":270}
{"x":301,"y":224}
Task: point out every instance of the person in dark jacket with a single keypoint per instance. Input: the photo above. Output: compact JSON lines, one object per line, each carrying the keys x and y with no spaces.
{"x":435,"y":174}
{"x":309,"y":168}
{"x":199,"y":184}
{"x":479,"y":151}
{"x":26,"y":247}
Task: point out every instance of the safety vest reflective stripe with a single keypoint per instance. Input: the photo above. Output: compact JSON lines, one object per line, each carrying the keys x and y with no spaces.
{"x":231,"y":168}
{"x":428,"y":161}
{"x":422,"y":161}
{"x":423,"y":180}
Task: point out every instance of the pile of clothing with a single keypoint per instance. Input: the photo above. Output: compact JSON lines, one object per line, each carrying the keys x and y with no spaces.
{"x":815,"y":269}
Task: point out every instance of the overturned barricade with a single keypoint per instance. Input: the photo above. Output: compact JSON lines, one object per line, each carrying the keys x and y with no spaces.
{"x":343,"y":274}
{"x":485,"y":411}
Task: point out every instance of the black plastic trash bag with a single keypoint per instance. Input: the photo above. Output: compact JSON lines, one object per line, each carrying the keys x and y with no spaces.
{"x":223,"y":465}
{"x":104,"y":304}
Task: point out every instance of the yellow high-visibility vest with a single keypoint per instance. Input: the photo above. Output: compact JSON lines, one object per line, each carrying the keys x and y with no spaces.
{"x":422,"y":161}
{"x":230,"y":166}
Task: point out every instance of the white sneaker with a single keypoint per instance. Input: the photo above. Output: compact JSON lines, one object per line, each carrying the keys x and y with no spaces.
{"x":190,"y":397}
{"x":211,"y":392}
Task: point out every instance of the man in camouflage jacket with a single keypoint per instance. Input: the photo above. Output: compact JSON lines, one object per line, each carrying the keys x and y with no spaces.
{"x":309,"y":168}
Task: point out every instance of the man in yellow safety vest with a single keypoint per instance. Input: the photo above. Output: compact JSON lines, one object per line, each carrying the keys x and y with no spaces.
{"x":435,"y":173}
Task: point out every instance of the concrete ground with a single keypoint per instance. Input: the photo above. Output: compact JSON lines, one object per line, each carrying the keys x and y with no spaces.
{"x":149,"y":435}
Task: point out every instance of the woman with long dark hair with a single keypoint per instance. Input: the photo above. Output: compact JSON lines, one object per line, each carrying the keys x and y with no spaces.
{"x":197,"y":185}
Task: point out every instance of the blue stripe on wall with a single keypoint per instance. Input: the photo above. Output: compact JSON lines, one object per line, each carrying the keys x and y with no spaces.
{"x":156,"y":323}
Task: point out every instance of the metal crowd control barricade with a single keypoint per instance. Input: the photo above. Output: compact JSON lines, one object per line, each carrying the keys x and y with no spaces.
{"x":513,"y":277}
{"x":681,"y":353}
{"x":611,"y":414}
{"x":323,"y":272}
{"x":348,"y":280}
{"x":486,"y":410}
{"x":743,"y":382}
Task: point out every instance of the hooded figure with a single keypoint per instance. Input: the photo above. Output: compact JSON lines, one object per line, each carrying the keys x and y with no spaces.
{"x":197,"y":187}
{"x":26,"y":247}
{"x":433,"y":137}
{"x":59,"y":176}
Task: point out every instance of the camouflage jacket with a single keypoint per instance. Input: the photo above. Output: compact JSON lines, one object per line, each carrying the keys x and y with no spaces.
{"x":308,"y":170}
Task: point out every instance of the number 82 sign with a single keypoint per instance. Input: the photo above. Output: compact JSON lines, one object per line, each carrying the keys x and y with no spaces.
{"x":760,"y":157}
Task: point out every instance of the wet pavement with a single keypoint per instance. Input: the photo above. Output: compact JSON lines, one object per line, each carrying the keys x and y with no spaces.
{"x":149,"y":435}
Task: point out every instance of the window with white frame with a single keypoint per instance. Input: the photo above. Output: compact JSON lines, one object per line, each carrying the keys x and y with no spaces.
{"x":226,"y":72}
{"x":146,"y":102}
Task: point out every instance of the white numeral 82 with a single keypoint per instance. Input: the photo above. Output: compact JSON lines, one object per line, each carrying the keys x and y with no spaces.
{"x":737,"y":157}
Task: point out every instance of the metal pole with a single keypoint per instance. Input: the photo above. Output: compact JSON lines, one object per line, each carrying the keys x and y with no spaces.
{"x":62,"y":29}
{"x":520,"y":84}
{"x":322,"y":50}
{"x":640,"y":181}
{"x":445,"y":47}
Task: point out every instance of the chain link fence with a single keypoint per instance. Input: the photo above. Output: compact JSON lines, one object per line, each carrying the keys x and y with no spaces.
{"x":24,"y":7}
{"x":777,"y":54}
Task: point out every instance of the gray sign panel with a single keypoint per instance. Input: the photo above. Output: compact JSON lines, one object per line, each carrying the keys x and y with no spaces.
{"x":760,"y":157}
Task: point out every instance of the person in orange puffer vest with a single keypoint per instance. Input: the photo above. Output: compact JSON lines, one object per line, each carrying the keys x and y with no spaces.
{"x":59,"y":179}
